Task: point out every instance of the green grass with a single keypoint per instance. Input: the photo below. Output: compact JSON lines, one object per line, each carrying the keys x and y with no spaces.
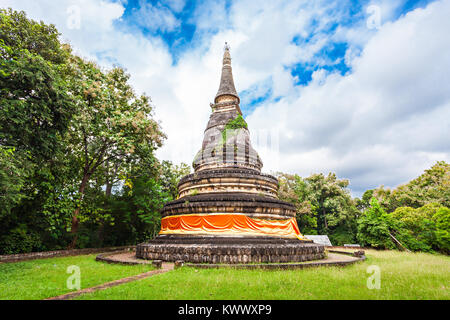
{"x":403,"y":276}
{"x":40,"y":279}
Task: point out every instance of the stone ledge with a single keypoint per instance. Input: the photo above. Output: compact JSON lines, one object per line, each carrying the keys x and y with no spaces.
{"x":231,"y":181}
{"x":199,"y":167}
{"x":120,"y":257}
{"x":225,"y":173}
{"x":341,"y":259}
{"x":357,"y":253}
{"x":276,"y":266}
{"x":58,"y":253}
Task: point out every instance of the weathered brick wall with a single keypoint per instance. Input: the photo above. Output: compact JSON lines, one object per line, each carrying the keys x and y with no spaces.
{"x":231,"y":254}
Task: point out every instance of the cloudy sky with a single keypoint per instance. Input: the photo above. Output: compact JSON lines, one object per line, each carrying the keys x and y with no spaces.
{"x":360,"y":88}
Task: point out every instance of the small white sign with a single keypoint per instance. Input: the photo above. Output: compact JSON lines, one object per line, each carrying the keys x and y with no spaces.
{"x":319,"y":239}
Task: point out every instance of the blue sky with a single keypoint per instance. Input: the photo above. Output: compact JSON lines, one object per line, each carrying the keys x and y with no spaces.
{"x":182,"y":37}
{"x":360,"y":88}
{"x":186,"y":35}
{"x":178,"y":39}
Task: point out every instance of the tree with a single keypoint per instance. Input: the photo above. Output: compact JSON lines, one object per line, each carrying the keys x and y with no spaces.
{"x":442,"y":233}
{"x":170,"y":175}
{"x":36,"y":109}
{"x":420,"y":228}
{"x":364,"y":203}
{"x":36,"y":106}
{"x":12,"y":180}
{"x":137,"y":209}
{"x":112,"y":126}
{"x":323,"y":203}
{"x":433,"y":186}
{"x":38,"y":38}
{"x":416,"y":229}
{"x":373,"y":228}
{"x":70,"y":130}
{"x":333,"y":201}
{"x":294,"y":189}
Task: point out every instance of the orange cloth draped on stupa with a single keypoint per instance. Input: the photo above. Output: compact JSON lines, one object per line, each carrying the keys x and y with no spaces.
{"x":229,"y":224}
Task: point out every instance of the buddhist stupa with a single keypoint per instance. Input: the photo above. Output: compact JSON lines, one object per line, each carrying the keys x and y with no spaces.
{"x":227,"y":211}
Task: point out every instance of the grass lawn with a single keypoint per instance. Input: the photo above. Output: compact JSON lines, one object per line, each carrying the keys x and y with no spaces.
{"x":40,"y":279}
{"x":403,"y":276}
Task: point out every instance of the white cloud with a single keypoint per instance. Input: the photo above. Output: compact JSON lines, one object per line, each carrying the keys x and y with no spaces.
{"x":176,"y":5}
{"x":386,"y":121}
{"x":156,"y":17}
{"x":383,"y":123}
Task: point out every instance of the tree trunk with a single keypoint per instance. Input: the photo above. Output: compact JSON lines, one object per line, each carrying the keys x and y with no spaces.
{"x":100,"y":234}
{"x":108,"y":180}
{"x":75,"y":222}
{"x":108,"y":189}
{"x":318,"y":222}
{"x":402,"y":247}
{"x":321,"y":219}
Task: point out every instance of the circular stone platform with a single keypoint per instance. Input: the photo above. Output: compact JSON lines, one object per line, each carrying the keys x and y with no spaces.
{"x":334,"y":258}
{"x":231,"y":250}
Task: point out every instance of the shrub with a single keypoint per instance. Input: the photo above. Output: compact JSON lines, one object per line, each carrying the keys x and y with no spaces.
{"x":20,"y":240}
{"x":442,"y":232}
{"x":373,"y":228}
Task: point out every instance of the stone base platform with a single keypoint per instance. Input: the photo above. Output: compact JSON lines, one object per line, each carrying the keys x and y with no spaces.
{"x":229,"y":250}
{"x":333,"y":258}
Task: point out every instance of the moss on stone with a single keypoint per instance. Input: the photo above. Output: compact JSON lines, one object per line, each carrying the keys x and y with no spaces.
{"x":234,"y":124}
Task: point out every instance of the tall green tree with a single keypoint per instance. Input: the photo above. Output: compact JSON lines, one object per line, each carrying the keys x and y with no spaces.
{"x":433,"y":186}
{"x":442,"y":233}
{"x":36,"y":104}
{"x":35,"y":113}
{"x":170,"y":175}
{"x":136,"y":210}
{"x":294,"y":189}
{"x":69,"y":133}
{"x":333,"y":201}
{"x":13,"y":177}
{"x":324,"y":205}
{"x":112,"y":126}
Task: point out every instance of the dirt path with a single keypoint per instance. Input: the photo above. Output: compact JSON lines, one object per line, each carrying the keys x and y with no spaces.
{"x":165,"y":268}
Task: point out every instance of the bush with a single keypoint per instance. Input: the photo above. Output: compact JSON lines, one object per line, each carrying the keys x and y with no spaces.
{"x":341,"y":235}
{"x":415,"y":227}
{"x":422,"y":229}
{"x":442,"y":232}
{"x":373,"y":228}
{"x":20,"y":240}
